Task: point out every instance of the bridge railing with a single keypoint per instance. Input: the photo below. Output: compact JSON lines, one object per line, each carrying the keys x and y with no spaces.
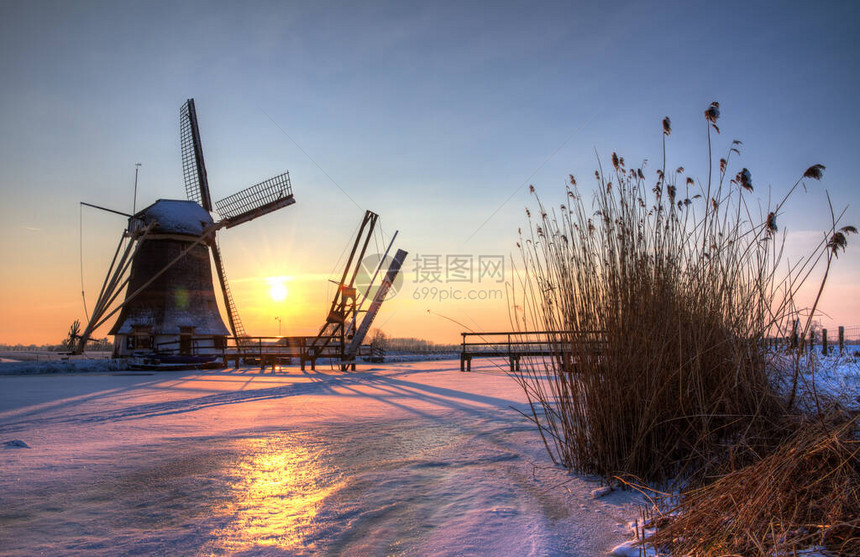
{"x":266,"y":351}
{"x":514,"y":345}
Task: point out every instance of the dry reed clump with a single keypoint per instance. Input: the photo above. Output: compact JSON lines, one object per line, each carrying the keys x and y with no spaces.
{"x":660,"y":296}
{"x":807,"y":493}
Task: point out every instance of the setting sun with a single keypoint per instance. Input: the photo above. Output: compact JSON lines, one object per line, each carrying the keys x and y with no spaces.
{"x":278,"y":291}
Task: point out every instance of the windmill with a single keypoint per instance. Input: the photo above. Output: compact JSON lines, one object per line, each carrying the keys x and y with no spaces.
{"x":162,"y":261}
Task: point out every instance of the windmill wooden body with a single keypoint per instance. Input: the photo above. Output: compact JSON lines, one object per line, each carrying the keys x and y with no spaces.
{"x":163,"y":264}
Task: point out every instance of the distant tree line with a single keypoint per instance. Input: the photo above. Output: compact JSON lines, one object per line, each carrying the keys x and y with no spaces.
{"x":66,"y":345}
{"x":95,"y":345}
{"x":412,"y":345}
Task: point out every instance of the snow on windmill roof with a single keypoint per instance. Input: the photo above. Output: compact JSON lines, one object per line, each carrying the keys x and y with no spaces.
{"x":176,"y":216}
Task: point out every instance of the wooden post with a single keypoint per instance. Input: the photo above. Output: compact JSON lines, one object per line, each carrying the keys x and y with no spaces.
{"x":463,"y":354}
{"x":841,"y":339}
{"x":811,"y":341}
{"x":824,"y":341}
{"x":795,"y":326}
{"x":303,"y":353}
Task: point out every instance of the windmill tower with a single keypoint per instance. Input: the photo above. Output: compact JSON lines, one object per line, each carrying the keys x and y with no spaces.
{"x":163,"y":262}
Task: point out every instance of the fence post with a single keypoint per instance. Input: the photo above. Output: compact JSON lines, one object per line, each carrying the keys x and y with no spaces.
{"x":463,"y":354}
{"x":811,"y":341}
{"x":841,"y":339}
{"x":794,"y":328}
{"x":262,"y":361}
{"x":824,"y":341}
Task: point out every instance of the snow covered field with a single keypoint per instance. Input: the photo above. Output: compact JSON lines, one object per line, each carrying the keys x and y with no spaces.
{"x":399,"y":459}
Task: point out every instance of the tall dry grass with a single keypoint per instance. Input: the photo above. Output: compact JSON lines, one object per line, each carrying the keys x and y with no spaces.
{"x":806,"y":493}
{"x":662,"y":292}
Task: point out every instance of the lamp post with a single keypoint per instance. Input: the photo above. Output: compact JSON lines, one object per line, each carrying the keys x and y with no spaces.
{"x":278,"y":319}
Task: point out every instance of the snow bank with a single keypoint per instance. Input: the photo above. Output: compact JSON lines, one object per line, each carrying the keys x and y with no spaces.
{"x":836,"y":379}
{"x":394,"y":357}
{"x":71,"y":365}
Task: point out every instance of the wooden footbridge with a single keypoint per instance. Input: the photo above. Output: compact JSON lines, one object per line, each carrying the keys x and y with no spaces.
{"x":273,"y":351}
{"x":515,"y":345}
{"x":268,"y":352}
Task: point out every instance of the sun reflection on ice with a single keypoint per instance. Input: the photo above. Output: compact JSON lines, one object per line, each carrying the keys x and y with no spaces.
{"x":279,"y":488}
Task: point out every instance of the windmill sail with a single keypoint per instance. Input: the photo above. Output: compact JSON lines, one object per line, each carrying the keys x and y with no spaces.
{"x":256,"y":201}
{"x":232,"y":313}
{"x":193,"y":166}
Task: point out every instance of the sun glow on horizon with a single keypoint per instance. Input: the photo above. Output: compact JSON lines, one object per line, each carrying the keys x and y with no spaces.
{"x":278,"y":288}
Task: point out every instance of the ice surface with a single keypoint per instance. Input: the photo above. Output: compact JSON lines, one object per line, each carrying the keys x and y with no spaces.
{"x":403,"y":459}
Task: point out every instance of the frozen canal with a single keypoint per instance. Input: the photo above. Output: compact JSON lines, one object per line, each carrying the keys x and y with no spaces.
{"x":402,"y":459}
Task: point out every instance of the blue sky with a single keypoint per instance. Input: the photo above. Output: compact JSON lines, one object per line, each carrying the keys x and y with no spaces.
{"x":435,"y":115}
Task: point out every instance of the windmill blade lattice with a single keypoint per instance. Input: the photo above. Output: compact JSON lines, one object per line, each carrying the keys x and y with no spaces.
{"x":256,"y":201}
{"x":193,"y":165}
{"x":232,"y":312}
